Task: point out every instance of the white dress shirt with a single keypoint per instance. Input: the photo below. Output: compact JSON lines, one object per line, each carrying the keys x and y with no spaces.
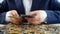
{"x":27,"y":4}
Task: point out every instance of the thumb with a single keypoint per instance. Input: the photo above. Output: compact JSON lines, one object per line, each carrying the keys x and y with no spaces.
{"x":33,"y":13}
{"x":14,"y":13}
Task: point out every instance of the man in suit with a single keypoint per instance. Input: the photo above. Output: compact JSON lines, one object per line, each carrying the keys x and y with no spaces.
{"x":42,"y":10}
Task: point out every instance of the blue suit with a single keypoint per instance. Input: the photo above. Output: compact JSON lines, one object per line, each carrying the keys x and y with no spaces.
{"x":52,"y":8}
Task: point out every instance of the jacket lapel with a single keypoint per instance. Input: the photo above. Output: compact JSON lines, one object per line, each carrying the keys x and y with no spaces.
{"x":20,"y":7}
{"x":39,"y":5}
{"x":35,"y":5}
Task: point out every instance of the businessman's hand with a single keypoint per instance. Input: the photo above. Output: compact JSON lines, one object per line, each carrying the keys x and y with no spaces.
{"x":14,"y":20}
{"x":38,"y":17}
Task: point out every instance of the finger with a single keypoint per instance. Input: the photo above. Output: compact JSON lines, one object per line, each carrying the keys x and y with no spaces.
{"x":12,"y":14}
{"x":15,"y":12}
{"x":28,"y":18}
{"x":12,"y":19}
{"x":37,"y":16}
{"x":32,"y":13}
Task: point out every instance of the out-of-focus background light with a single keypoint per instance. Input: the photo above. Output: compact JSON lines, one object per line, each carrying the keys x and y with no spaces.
{"x":58,"y":1}
{"x":1,"y":1}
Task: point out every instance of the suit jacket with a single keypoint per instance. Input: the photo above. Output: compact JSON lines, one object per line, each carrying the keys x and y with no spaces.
{"x":52,"y":8}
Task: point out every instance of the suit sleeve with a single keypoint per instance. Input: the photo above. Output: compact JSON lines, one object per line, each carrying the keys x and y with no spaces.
{"x":3,"y":10}
{"x":53,"y":12}
{"x":53,"y":17}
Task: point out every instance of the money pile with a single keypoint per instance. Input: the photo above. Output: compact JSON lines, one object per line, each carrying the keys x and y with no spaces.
{"x":31,"y":29}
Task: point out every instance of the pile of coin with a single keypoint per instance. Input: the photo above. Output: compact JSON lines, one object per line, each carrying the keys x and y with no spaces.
{"x":31,"y":29}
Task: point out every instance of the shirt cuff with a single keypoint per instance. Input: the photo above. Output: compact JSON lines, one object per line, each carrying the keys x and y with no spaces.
{"x":43,"y":16}
{"x":7,"y":17}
